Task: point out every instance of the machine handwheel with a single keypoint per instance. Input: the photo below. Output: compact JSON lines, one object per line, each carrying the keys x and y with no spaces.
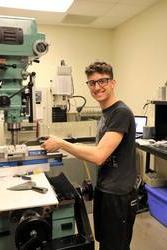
{"x":32,"y":232}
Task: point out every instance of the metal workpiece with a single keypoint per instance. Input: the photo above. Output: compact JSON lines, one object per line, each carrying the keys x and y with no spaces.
{"x":23,"y":160}
{"x":9,"y":151}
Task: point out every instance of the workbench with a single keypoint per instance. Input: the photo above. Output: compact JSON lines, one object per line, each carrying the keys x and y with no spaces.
{"x":13,"y":200}
{"x":154,"y":150}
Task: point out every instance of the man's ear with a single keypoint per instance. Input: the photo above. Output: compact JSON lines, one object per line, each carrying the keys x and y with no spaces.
{"x":113,"y":83}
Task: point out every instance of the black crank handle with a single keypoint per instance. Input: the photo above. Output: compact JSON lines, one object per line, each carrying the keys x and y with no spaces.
{"x":40,"y":189}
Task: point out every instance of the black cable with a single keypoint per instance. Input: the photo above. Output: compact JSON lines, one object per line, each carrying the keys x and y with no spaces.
{"x":20,"y":90}
{"x":30,"y":84}
{"x":146,"y":104}
{"x":145,"y":107}
{"x":69,"y":105}
{"x":79,"y":109}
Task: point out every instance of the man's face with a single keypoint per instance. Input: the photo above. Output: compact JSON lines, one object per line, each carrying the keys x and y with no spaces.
{"x":101,"y":86}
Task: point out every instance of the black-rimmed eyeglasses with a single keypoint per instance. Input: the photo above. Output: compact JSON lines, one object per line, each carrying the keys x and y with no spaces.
{"x":102,"y":82}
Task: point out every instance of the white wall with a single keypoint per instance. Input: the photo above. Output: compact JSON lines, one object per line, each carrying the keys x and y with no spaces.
{"x":137,"y":49}
{"x":140,"y":61}
{"x":78,"y":47}
{"x":140,"y":56}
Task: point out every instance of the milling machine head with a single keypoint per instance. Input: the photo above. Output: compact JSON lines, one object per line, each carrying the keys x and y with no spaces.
{"x":20,"y":45}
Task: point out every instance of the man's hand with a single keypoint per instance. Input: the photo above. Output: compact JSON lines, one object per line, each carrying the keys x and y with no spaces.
{"x":52,"y":144}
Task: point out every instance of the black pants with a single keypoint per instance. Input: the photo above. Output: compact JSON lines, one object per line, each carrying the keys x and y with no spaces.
{"x":114,"y":216}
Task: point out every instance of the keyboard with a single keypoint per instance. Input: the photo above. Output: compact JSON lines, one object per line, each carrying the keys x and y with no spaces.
{"x":138,"y":135}
{"x":143,"y":142}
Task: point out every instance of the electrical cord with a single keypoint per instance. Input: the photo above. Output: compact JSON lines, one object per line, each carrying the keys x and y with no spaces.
{"x":79,"y":109}
{"x":69,"y":105}
{"x":29,"y":85}
{"x":87,"y":170}
{"x":145,"y":107}
{"x":19,"y":91}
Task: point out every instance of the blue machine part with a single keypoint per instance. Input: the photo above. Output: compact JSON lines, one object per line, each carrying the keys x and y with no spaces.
{"x":55,"y":163}
{"x":17,"y":163}
{"x":37,"y":152}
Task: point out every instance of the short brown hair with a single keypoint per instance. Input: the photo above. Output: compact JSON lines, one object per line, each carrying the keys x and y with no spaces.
{"x":99,"y":67}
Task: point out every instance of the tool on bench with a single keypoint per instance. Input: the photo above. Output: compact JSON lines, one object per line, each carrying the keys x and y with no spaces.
{"x":23,"y":176}
{"x":29,"y":185}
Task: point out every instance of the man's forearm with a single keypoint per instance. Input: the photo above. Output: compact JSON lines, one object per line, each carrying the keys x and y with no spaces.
{"x":96,"y":154}
{"x":81,"y":151}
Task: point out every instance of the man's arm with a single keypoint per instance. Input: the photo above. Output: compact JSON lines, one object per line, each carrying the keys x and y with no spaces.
{"x":95,"y":154}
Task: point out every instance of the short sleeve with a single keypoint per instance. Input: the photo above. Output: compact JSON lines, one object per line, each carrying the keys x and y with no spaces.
{"x":119,"y":121}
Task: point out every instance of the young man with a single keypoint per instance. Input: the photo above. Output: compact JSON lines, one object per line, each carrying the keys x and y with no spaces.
{"x":114,"y":154}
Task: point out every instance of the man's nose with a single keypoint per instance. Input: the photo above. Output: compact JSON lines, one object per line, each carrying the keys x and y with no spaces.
{"x":96,"y":86}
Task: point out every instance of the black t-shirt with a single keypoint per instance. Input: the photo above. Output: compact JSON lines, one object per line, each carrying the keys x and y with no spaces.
{"x":117,"y":174}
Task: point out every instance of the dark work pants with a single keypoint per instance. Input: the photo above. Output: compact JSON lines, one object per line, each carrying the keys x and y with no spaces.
{"x":114,"y":216}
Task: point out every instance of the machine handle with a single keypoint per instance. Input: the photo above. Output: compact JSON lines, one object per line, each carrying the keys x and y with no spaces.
{"x":5,"y":66}
{"x":40,"y":189}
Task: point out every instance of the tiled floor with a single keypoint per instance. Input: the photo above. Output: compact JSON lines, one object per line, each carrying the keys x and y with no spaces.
{"x":148,"y":234}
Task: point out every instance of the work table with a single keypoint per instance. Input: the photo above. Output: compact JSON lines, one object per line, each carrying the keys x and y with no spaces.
{"x":150,"y":148}
{"x":12,"y":200}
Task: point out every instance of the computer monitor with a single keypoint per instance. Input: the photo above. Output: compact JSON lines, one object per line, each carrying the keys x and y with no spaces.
{"x":140,"y":122}
{"x":161,"y":121}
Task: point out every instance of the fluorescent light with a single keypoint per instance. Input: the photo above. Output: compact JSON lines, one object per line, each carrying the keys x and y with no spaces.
{"x":41,"y":5}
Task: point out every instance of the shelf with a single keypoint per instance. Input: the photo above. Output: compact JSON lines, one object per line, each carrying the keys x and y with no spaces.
{"x":159,"y":102}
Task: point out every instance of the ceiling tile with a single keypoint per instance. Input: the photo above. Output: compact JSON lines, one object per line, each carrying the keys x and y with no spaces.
{"x":78,"y":19}
{"x":41,"y":17}
{"x":106,"y":1}
{"x":125,"y":10}
{"x":108,"y":22}
{"x":90,"y":8}
{"x":138,"y":2}
{"x":105,"y":13}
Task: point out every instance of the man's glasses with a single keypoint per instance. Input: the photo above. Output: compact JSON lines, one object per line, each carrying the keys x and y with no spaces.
{"x":102,"y":82}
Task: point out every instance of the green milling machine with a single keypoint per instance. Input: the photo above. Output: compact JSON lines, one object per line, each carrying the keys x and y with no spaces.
{"x":41,"y":228}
